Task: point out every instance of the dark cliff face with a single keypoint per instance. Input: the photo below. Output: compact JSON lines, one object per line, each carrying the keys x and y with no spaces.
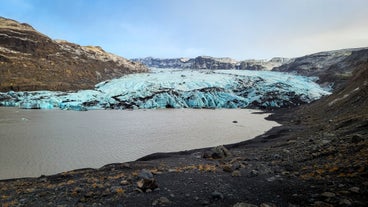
{"x":332,"y":67}
{"x":30,"y":60}
{"x":352,"y":97}
{"x":344,"y":112}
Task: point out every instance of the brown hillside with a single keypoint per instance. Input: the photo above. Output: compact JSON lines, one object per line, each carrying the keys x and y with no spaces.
{"x":350,"y":103}
{"x":30,"y":60}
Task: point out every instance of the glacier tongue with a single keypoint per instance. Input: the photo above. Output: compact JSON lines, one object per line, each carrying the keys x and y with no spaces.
{"x":180,"y":89}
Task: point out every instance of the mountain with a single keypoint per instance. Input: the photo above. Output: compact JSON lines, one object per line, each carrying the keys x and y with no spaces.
{"x":29,"y":60}
{"x":207,"y":62}
{"x":348,"y":105}
{"x":332,"y":67}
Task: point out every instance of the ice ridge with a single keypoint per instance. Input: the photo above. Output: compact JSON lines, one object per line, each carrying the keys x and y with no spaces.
{"x":180,"y":89}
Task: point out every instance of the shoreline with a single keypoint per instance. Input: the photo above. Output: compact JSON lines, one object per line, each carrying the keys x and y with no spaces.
{"x":274,"y":169}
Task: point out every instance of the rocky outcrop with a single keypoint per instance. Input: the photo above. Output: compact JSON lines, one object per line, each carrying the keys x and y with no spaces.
{"x":349,"y":103}
{"x":207,"y":62}
{"x":30,"y":60}
{"x":332,"y":67}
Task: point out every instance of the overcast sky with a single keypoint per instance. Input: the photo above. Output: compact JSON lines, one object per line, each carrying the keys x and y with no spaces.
{"x":241,"y":29}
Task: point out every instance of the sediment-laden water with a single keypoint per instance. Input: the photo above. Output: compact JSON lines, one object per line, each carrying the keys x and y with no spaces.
{"x":36,"y":142}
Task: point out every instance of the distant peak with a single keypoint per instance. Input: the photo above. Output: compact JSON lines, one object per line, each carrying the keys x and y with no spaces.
{"x":12,"y":24}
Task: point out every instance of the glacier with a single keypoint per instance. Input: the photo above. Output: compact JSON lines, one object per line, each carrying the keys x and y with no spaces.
{"x":179,"y":89}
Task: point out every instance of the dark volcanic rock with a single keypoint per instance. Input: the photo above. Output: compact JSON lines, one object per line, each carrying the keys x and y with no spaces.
{"x":218,"y":152}
{"x":30,"y":60}
{"x":332,"y":67}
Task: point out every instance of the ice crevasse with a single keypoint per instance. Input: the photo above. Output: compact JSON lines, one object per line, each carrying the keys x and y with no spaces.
{"x":180,"y":89}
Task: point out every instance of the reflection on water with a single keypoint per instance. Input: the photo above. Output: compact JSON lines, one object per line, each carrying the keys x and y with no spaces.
{"x":36,"y":142}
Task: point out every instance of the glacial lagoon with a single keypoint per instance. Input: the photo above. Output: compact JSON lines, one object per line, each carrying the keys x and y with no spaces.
{"x":44,"y":142}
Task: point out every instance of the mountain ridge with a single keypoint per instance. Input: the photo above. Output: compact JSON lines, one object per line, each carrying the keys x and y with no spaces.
{"x":208,"y":62}
{"x":331,"y":67}
{"x":30,"y":60}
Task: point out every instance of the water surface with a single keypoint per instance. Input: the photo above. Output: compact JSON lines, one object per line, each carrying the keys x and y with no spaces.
{"x":36,"y":142}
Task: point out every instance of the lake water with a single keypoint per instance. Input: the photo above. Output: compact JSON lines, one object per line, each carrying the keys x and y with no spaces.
{"x":36,"y":142}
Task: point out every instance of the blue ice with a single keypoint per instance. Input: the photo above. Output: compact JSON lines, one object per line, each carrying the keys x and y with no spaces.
{"x":180,"y":89}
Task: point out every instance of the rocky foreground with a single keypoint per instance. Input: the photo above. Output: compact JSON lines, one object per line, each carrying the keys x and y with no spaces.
{"x":29,"y":60}
{"x":319,"y":157}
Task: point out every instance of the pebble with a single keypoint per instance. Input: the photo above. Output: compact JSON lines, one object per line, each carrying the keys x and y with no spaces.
{"x":218,"y":152}
{"x":145,"y":184}
{"x":253,"y":173}
{"x":106,"y":192}
{"x":344,"y":192}
{"x":244,"y":205}
{"x":126,"y":165}
{"x":217,"y":195}
{"x":138,"y":190}
{"x":162,"y":201}
{"x":345,"y":202}
{"x":267,"y":205}
{"x":116,"y":189}
{"x":227,"y":168}
{"x":271,"y":179}
{"x":43,"y":178}
{"x":325,"y":141}
{"x":236,"y":173}
{"x":145,"y":174}
{"x":276,"y":157}
{"x":286,"y":151}
{"x":237,"y":166}
{"x":354,"y":189}
{"x":45,"y":193}
{"x":328,"y":194}
{"x":89,"y":194}
{"x":172,"y":170}
{"x":357,"y":138}
{"x":321,"y":204}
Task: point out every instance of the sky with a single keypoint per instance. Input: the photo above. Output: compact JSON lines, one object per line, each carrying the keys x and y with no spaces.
{"x":240,"y":29}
